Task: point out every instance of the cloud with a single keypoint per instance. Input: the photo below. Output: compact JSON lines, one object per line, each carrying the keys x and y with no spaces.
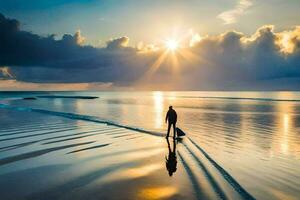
{"x":230,"y":16}
{"x":289,"y":40}
{"x":118,"y":43}
{"x":265,"y":60}
{"x":9,"y":85}
{"x":24,"y":48}
{"x":237,"y":60}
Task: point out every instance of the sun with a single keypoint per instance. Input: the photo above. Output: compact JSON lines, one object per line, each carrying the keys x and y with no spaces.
{"x":172,"y":44}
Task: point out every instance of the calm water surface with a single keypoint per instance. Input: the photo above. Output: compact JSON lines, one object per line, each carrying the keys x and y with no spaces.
{"x":255,"y":136}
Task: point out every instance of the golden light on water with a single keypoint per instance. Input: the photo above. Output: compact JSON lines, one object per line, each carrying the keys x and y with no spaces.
{"x":139,"y":171}
{"x":286,"y":145}
{"x":285,"y":142}
{"x":158,"y":101}
{"x":155,"y":193}
{"x":286,"y":123}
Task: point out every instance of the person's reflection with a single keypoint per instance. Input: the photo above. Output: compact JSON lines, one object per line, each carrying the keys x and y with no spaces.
{"x":171,"y":160}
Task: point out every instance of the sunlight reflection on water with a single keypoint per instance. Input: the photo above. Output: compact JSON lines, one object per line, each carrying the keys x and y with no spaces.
{"x":255,"y":137}
{"x":158,"y":106}
{"x":154,"y":193}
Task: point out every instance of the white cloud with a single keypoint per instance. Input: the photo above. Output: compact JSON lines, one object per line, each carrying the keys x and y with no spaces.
{"x":230,"y":16}
{"x":117,"y":43}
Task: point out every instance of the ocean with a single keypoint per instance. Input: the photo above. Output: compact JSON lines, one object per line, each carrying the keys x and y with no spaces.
{"x":254,"y":136}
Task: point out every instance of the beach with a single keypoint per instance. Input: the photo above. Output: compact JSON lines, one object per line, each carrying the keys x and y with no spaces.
{"x":114,"y":147}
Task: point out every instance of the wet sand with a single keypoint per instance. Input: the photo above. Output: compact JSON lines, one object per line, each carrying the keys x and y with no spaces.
{"x":52,"y":157}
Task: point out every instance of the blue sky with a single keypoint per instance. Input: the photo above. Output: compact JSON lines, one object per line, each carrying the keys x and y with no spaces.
{"x":146,"y":20}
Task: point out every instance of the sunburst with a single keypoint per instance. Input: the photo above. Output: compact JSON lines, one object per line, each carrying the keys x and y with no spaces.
{"x":172,"y":44}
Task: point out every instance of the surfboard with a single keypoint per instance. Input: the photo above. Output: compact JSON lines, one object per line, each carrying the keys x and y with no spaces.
{"x":179,"y":132}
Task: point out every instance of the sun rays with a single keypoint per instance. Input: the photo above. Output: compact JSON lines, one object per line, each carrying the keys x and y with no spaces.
{"x":172,"y":56}
{"x":172,"y":44}
{"x":170,"y":59}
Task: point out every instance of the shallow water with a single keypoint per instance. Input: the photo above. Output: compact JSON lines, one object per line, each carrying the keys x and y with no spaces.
{"x":254,"y":136}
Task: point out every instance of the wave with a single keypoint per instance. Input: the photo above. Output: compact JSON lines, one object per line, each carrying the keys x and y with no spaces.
{"x":208,"y":175}
{"x":80,"y":117}
{"x":192,"y":176}
{"x":224,"y":173}
{"x":242,"y":98}
{"x":67,"y":97}
{"x":89,"y":148}
{"x":37,"y":153}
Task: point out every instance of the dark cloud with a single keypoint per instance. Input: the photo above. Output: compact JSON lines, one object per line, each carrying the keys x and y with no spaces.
{"x":239,"y":61}
{"x":229,"y":61}
{"x":45,"y":59}
{"x":26,"y":49}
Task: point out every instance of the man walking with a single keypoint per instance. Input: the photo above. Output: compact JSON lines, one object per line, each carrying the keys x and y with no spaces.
{"x":171,"y":117}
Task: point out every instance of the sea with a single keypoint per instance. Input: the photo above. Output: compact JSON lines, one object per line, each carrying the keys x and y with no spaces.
{"x":254,"y":136}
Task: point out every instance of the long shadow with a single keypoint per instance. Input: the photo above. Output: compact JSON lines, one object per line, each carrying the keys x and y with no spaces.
{"x":40,"y":129}
{"x":89,"y":148}
{"x":16,"y":146}
{"x":79,"y":137}
{"x":133,"y":137}
{"x":119,"y":136}
{"x":73,"y":138}
{"x":22,"y":127}
{"x":10,"y":147}
{"x":38,"y":134}
{"x":225,"y":174}
{"x":33,"y":154}
{"x":126,"y":131}
{"x":45,"y":139}
{"x":212,"y":181}
{"x":199,"y":193}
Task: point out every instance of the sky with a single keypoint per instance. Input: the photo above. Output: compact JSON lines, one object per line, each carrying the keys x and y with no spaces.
{"x":149,"y":44}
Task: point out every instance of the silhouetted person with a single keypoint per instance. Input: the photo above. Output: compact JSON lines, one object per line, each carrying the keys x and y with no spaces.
{"x":171,"y":160}
{"x":171,"y":117}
